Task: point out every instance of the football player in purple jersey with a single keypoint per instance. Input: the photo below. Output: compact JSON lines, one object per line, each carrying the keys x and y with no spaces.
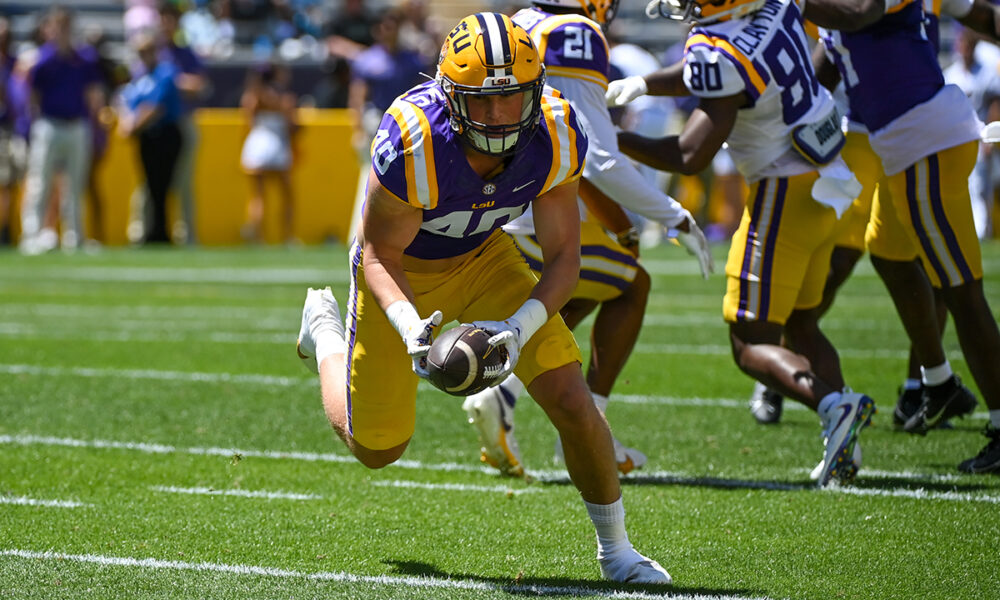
{"x":453,"y":160}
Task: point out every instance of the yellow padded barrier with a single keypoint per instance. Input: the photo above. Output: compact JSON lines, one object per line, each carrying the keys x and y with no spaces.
{"x":324,"y":179}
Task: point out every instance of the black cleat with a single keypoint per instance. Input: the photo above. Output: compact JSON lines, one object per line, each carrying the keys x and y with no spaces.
{"x":907,"y":405}
{"x":988,"y":459}
{"x":940,"y":403}
{"x":765,"y":404}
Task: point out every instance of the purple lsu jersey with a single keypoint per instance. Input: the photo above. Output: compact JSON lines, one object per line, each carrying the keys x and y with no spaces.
{"x":570,"y":45}
{"x":420,"y":159}
{"x":904,"y":74}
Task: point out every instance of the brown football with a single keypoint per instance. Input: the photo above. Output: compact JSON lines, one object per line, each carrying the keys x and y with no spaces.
{"x":461,"y":361}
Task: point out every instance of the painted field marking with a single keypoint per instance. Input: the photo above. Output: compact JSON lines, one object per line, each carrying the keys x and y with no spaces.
{"x":204,"y":491}
{"x":147,"y":274}
{"x":24,"y":501}
{"x":190,"y":376}
{"x":548,"y":475}
{"x":527,"y":589}
{"x":455,"y":487}
{"x":917,"y":494}
{"x":308,"y":380}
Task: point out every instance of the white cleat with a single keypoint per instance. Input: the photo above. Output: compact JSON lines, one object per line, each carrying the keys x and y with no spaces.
{"x":627,"y":459}
{"x":491,"y":412}
{"x":631,"y":567}
{"x":319,"y":313}
{"x":841,"y":433}
{"x":852,"y":469}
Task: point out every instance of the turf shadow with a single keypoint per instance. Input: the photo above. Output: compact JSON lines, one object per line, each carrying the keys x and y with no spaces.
{"x":560,"y":586}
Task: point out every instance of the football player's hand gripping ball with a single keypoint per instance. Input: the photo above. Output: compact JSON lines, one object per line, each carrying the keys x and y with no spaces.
{"x":507,"y":334}
{"x":417,"y":333}
{"x":513,"y":333}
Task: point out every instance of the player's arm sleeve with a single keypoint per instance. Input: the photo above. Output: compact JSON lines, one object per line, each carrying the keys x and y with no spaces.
{"x":609,"y":169}
{"x":403,"y":156}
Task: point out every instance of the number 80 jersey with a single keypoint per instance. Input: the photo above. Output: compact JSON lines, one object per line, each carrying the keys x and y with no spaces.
{"x":764,"y":55}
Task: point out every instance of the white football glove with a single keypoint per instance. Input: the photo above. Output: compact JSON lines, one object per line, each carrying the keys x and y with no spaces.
{"x":417,"y":333}
{"x":696,"y":244}
{"x":622,"y":91}
{"x":507,"y":334}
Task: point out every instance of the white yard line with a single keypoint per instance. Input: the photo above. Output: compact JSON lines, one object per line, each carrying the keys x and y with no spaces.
{"x":204,"y":491}
{"x":455,"y":487}
{"x":23,"y":501}
{"x":255,"y":276}
{"x":344,"y":577}
{"x":723,"y":350}
{"x":145,"y":335}
{"x":917,"y":494}
{"x":189,"y":376}
{"x":664,"y":477}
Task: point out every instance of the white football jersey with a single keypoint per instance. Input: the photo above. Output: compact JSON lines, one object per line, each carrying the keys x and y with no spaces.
{"x":765,"y":56}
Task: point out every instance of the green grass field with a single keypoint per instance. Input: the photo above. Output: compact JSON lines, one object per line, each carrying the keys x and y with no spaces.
{"x":159,"y":439}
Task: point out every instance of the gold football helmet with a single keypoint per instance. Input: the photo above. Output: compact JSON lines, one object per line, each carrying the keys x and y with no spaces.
{"x":488,"y":54}
{"x":702,"y":12}
{"x":601,"y":11}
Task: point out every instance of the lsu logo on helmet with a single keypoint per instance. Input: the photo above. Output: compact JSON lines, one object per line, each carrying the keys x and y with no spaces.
{"x":600,"y":11}
{"x":702,"y":12}
{"x":488,"y":54}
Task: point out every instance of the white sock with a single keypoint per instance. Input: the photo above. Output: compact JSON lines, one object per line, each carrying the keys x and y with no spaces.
{"x":514,"y":386}
{"x":328,"y":342}
{"x":827,"y":404}
{"x":609,"y":521}
{"x":601,"y":402}
{"x":937,"y":375}
{"x":912,"y":384}
{"x":995,"y":417}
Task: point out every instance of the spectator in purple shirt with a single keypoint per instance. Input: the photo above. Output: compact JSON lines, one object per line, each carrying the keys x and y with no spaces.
{"x":65,"y":92}
{"x":380,"y":74}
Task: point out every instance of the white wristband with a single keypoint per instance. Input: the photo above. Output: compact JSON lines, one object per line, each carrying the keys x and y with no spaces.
{"x":403,"y":315}
{"x":531,"y":316}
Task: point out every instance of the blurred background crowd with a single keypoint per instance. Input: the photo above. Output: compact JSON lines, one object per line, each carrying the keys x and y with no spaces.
{"x":299,"y":85}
